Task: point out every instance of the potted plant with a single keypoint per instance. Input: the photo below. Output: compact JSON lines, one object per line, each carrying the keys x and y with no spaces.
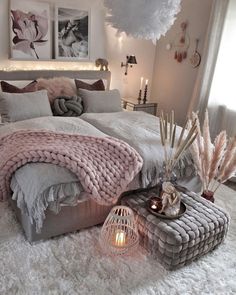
{"x":215,"y":162}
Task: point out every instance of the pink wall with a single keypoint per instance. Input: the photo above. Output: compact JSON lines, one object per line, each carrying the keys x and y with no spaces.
{"x":173,"y":82}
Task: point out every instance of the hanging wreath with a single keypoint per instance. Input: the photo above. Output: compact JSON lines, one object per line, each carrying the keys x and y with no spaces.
{"x":144,"y":19}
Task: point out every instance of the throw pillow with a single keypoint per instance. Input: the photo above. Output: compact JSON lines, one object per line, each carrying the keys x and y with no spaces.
{"x":7,"y":87}
{"x":98,"y":85}
{"x":101,"y":101}
{"x":58,"y":86}
{"x":67,"y":106}
{"x":21,"y":106}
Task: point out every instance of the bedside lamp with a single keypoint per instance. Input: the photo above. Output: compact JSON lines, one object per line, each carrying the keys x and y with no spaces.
{"x":130,"y":61}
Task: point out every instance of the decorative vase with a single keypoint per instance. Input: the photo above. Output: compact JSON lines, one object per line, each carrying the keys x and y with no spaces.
{"x":208,"y":195}
{"x":166,"y":176}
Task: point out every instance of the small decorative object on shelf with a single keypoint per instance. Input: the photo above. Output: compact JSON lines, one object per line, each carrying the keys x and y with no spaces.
{"x":214,"y":162}
{"x":102,"y":63}
{"x":145,"y":92}
{"x":119,"y":234}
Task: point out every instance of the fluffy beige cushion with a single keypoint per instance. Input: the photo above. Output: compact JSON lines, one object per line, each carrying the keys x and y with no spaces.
{"x":58,"y":86}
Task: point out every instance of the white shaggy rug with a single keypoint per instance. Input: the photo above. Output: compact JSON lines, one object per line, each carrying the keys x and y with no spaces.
{"x":73,"y":264}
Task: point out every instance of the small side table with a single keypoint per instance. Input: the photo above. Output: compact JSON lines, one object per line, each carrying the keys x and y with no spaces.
{"x":177,"y":242}
{"x":131,"y":104}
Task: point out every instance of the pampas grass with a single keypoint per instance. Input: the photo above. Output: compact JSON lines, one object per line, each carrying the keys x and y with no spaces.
{"x":173,"y":148}
{"x":214,"y":162}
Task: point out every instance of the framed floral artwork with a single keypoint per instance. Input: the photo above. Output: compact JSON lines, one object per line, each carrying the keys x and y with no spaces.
{"x":30,"y":30}
{"x":72,"y":33}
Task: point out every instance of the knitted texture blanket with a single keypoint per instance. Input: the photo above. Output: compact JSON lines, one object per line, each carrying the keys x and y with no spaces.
{"x":104,"y":166}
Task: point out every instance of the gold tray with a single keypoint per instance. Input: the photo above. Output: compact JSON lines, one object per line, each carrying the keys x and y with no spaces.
{"x":162,"y":215}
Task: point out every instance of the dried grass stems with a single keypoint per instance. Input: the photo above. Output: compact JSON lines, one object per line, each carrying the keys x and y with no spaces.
{"x":214,"y":162}
{"x":173,"y":148}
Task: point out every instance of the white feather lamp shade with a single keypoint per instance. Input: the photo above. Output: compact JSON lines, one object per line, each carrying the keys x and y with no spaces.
{"x":119,"y":232}
{"x":144,"y":19}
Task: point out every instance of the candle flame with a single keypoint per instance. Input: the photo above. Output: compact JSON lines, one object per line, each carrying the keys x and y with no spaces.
{"x":120,"y":238}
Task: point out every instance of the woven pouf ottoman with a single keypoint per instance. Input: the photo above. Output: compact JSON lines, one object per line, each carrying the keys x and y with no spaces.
{"x":177,"y":242}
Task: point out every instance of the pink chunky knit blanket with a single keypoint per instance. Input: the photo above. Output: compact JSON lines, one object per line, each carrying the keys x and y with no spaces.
{"x":103,"y":165}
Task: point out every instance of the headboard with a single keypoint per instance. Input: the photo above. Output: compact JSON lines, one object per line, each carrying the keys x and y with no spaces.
{"x":33,"y":75}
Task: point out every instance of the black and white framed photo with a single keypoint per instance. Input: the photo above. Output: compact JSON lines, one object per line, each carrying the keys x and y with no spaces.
{"x":72,"y":33}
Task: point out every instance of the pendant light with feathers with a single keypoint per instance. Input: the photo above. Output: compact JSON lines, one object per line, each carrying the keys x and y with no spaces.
{"x":144,"y":19}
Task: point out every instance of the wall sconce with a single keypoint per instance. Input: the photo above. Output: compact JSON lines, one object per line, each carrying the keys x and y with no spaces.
{"x":130,"y":61}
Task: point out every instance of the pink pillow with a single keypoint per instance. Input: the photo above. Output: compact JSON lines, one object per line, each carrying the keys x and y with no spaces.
{"x":7,"y":87}
{"x":58,"y":86}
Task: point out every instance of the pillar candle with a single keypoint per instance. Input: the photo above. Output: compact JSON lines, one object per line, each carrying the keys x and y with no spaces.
{"x":141,"y":83}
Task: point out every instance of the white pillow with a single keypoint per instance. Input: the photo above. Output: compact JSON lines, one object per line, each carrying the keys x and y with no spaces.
{"x":21,"y":106}
{"x":101,"y":101}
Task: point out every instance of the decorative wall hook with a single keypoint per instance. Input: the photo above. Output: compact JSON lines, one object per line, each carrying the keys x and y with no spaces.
{"x":195,"y":59}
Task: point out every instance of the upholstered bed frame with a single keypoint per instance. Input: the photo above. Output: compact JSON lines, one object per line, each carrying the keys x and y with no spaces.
{"x":85,"y":213}
{"x":33,"y":75}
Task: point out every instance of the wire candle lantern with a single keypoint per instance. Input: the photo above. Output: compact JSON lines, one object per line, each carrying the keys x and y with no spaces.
{"x":119,"y":233}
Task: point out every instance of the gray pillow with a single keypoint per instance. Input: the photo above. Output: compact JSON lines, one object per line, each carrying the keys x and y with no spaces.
{"x":101,"y":101}
{"x":67,"y":106}
{"x":21,"y":106}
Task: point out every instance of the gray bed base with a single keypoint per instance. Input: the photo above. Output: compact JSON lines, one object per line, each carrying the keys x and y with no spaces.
{"x":73,"y":218}
{"x":69,"y":219}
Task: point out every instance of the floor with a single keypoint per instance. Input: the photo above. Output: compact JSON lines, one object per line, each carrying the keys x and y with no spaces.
{"x":231,"y":184}
{"x":75,"y":264}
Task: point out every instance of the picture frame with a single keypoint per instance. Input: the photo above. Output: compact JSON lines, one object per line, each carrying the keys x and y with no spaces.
{"x":30,"y":31}
{"x":72,"y":33}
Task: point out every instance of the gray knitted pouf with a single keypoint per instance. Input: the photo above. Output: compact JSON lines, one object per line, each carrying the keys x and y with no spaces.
{"x":177,"y":242}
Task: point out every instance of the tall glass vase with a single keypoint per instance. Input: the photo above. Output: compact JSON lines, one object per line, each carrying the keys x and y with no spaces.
{"x":166,"y":176}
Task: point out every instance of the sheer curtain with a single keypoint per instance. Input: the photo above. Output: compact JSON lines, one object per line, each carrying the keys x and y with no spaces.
{"x":222,"y":96}
{"x":199,"y":100}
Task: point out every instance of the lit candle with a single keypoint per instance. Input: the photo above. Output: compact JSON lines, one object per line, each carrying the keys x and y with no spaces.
{"x":153,"y":206}
{"x":141,"y":83}
{"x":146,"y":82}
{"x":120,"y":238}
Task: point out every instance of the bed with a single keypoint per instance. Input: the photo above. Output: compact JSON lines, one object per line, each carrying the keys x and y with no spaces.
{"x":135,"y":128}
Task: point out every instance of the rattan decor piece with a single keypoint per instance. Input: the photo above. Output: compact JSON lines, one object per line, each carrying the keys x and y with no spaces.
{"x":119,"y":233}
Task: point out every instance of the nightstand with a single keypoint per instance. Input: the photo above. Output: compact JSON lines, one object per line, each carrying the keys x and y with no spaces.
{"x":131,"y":104}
